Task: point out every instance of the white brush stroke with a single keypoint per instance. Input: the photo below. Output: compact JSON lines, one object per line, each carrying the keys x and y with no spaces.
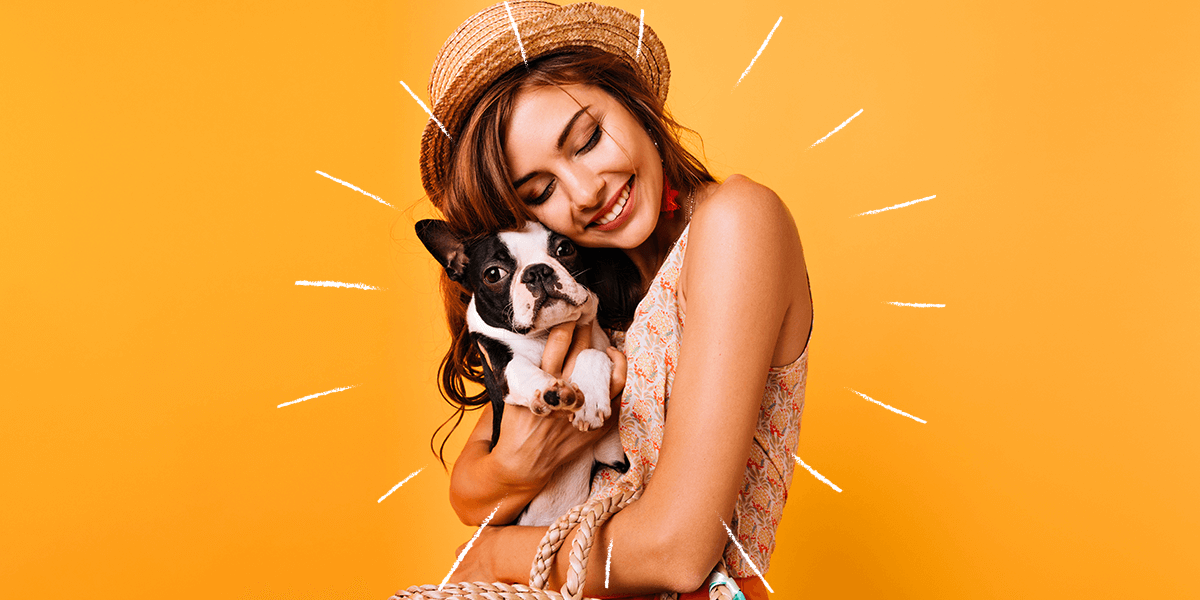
{"x":354,"y":187}
{"x":414,"y":474}
{"x":916,"y":304}
{"x":518,"y":34}
{"x":760,"y":51}
{"x":311,"y":396}
{"x":427,"y":111}
{"x":469,"y":544}
{"x":895,"y":206}
{"x":608,"y":564}
{"x":817,"y":475}
{"x":337,"y":284}
{"x":638,"y":54}
{"x":746,"y":556}
{"x":836,"y":129}
{"x":891,"y":408}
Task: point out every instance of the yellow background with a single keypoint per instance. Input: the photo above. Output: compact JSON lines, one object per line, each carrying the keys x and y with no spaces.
{"x":158,"y":200}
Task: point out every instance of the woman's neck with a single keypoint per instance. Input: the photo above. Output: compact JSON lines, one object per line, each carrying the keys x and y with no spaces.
{"x":652,"y":253}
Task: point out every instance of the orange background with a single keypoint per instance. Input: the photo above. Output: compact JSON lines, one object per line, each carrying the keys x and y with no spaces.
{"x":158,"y":200}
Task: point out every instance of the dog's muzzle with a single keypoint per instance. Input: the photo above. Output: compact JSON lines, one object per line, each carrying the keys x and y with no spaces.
{"x":541,"y":280}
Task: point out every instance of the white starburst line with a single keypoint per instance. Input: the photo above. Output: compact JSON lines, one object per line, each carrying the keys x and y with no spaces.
{"x":916,"y":304}
{"x":838,"y":128}
{"x":427,"y":111}
{"x":816,"y":474}
{"x":337,"y":284}
{"x":518,"y":34}
{"x":311,"y":396}
{"x":638,"y":54}
{"x":891,"y":408}
{"x":608,"y":564}
{"x":414,"y":474}
{"x":354,"y":187}
{"x":895,"y":206}
{"x":746,"y":556}
{"x":760,"y":51}
{"x":469,"y":544}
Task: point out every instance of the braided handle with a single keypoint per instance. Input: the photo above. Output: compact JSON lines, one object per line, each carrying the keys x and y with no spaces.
{"x":589,"y":516}
{"x":474,"y":591}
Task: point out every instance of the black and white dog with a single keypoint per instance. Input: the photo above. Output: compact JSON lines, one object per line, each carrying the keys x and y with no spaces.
{"x":523,"y":283}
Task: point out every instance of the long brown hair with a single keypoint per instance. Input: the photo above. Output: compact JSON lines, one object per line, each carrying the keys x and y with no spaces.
{"x":479,"y":199}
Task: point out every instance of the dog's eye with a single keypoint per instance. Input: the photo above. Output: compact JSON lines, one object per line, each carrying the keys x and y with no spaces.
{"x":494,"y":274}
{"x":565,"y":248}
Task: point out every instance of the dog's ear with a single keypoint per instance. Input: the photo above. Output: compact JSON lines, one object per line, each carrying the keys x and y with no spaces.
{"x":446,"y":248}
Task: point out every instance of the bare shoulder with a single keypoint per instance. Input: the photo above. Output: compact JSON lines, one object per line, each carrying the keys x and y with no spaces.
{"x":745,"y":210}
{"x":744,"y":255}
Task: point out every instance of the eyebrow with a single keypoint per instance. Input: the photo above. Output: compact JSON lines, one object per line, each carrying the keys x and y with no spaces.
{"x":562,"y":139}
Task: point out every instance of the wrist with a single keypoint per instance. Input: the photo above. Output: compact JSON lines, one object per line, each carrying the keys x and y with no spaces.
{"x":518,"y":473}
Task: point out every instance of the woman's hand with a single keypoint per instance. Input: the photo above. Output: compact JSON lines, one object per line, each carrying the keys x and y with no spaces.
{"x":530,"y":447}
{"x":502,"y":554}
{"x":535,"y":446}
{"x":565,"y":343}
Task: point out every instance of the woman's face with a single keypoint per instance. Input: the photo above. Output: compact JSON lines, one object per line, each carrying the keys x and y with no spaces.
{"x":584,"y":165}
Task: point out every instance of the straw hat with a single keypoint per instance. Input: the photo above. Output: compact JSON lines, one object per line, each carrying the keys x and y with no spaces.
{"x":485,"y":47}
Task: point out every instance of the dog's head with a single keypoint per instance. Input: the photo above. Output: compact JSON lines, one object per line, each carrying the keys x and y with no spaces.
{"x":522,"y":281}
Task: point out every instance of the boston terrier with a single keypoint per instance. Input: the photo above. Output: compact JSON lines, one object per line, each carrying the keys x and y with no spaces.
{"x":523,"y":283}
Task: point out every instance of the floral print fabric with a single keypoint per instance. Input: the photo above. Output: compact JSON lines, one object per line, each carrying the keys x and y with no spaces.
{"x":652,"y":348}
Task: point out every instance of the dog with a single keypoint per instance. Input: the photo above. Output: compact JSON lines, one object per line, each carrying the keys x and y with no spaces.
{"x":523,"y":283}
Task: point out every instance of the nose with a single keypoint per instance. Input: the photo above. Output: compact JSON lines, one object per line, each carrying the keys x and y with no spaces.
{"x":539,"y":277}
{"x":587,"y":189}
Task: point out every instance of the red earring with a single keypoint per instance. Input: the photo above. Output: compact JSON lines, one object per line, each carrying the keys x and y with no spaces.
{"x":669,"y":205}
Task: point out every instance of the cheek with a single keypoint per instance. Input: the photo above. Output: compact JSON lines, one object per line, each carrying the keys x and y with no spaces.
{"x":555,"y":215}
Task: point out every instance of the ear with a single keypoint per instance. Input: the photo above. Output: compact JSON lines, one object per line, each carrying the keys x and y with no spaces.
{"x":446,"y":248}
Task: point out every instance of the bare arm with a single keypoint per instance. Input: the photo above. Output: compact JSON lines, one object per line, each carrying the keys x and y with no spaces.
{"x":747,"y":308}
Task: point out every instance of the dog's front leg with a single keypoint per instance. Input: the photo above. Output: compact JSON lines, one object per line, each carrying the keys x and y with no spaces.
{"x":592,"y":374}
{"x":531,"y":387}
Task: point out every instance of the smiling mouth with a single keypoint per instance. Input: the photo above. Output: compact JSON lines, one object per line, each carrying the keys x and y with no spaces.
{"x":616,"y":207}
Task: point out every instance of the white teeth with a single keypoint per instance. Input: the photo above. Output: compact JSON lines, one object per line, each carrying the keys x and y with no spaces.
{"x":617,"y":208}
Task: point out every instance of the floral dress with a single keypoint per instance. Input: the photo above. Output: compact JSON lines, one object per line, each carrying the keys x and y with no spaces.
{"x":652,"y":347}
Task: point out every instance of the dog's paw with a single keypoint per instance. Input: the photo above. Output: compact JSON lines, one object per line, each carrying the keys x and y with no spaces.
{"x":572,"y":398}
{"x":560,"y":395}
{"x":589,"y":417}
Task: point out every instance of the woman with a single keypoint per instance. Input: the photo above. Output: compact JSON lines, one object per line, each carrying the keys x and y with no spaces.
{"x":566,"y":125}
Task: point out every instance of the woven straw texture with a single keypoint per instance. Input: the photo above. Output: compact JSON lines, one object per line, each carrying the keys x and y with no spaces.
{"x":485,"y":47}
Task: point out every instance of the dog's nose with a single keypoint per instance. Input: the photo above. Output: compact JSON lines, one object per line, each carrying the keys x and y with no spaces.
{"x":539,"y":275}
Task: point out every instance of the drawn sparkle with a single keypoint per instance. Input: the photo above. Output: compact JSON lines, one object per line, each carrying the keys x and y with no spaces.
{"x":817,"y":475}
{"x":397,"y":486}
{"x":746,"y":556}
{"x":311,"y":396}
{"x":608,"y":564}
{"x":337,"y":284}
{"x":760,"y":51}
{"x":518,"y":34}
{"x":838,"y":128}
{"x":469,"y":544}
{"x":638,"y":54}
{"x":354,"y":187}
{"x":891,"y":408}
{"x":427,"y":111}
{"x":895,"y":206}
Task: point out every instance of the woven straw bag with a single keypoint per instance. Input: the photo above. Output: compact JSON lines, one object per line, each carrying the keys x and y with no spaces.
{"x":589,"y":516}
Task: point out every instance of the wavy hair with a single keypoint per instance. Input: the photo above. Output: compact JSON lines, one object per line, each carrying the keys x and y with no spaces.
{"x":479,"y":200}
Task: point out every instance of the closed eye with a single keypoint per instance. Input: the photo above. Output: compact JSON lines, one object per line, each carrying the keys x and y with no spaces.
{"x":544,"y":196}
{"x":549,"y":189}
{"x":592,"y":141}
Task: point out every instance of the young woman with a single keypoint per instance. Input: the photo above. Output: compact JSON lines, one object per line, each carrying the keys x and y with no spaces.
{"x":566,"y":125}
